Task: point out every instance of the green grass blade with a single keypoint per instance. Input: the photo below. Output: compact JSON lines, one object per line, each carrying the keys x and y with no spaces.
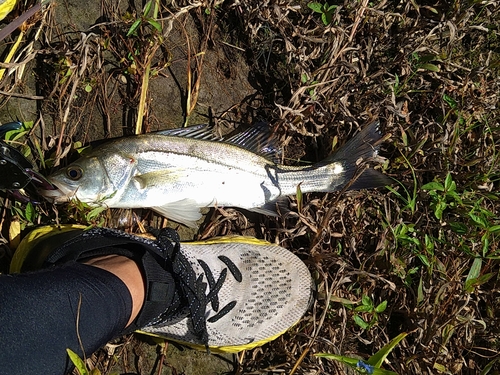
{"x":134,"y":27}
{"x":299,"y":198}
{"x":346,"y":360}
{"x":486,"y":370}
{"x":494,"y":229}
{"x":155,"y":24}
{"x":78,"y":362}
{"x":147,"y":7}
{"x":378,"y":358}
{"x":353,"y":363}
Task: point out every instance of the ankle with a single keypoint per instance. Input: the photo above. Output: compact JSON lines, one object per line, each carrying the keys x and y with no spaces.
{"x":129,"y":272}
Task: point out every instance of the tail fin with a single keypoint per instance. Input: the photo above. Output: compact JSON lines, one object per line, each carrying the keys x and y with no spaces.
{"x":353,"y":156}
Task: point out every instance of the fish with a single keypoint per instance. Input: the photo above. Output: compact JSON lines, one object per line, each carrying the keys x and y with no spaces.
{"x":177,"y":172}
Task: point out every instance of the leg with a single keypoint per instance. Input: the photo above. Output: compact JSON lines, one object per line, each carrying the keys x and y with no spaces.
{"x":227,"y":294}
{"x":43,"y":313}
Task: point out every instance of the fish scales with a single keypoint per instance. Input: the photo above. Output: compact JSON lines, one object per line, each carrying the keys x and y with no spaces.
{"x":208,"y":172}
{"x":176,"y":172}
{"x":211,"y":151}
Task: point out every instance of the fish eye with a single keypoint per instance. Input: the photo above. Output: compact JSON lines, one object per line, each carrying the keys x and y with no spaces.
{"x":74,"y":173}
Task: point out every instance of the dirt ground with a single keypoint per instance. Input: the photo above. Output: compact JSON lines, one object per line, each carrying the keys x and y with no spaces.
{"x":418,"y":259}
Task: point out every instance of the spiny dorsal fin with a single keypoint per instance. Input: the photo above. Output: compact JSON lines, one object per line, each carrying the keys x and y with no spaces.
{"x":257,"y":138}
{"x":202,"y":131}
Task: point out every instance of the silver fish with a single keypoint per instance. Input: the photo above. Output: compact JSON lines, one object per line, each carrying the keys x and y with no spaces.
{"x":177,"y":172}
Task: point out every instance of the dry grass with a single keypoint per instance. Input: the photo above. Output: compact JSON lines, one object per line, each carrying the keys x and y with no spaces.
{"x":428,"y":70}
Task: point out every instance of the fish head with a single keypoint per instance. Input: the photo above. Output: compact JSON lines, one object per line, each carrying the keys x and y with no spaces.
{"x":91,"y":179}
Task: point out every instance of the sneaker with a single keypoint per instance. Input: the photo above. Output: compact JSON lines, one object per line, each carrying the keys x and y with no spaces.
{"x":223,"y":295}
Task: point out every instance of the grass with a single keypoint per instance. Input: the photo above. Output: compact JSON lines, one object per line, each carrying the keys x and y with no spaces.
{"x":419,"y":258}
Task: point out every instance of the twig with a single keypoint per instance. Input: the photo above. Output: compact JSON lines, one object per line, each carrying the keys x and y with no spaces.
{"x":7,"y":30}
{"x":299,"y":361}
{"x":65,"y":117}
{"x":232,"y":46}
{"x":358,"y":20}
{"x":192,"y":91}
{"x":22,"y":96}
{"x":333,"y":206}
{"x":144,"y":93}
{"x":162,"y":356}
{"x":77,"y":323}
{"x":30,"y":57}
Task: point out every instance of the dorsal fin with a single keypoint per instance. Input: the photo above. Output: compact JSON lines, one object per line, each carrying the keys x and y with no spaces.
{"x":257,"y":138}
{"x":202,"y":131}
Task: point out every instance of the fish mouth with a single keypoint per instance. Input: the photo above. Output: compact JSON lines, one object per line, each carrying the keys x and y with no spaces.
{"x":57,"y":195}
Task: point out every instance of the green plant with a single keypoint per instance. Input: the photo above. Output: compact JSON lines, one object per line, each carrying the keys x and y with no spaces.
{"x":325,"y":10}
{"x":442,"y":195}
{"x":370,"y":312}
{"x":79,"y":364}
{"x":86,"y":214}
{"x":418,"y":63}
{"x":28,"y":143}
{"x":372,"y":365}
{"x":469,"y":218}
{"x":146,"y":49}
{"x":409,"y":198}
{"x":468,"y":215}
{"x":14,"y":137}
{"x":145,"y":18}
{"x":311,"y":88}
{"x":27,"y":214}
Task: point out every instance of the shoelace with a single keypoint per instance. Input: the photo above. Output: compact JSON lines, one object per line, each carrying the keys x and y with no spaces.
{"x":193,"y":289}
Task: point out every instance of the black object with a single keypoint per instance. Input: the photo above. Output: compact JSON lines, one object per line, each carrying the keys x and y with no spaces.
{"x":16,"y":172}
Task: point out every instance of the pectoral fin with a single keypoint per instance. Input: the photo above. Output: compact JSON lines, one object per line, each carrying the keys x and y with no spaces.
{"x":158,"y":178}
{"x":185,"y":211}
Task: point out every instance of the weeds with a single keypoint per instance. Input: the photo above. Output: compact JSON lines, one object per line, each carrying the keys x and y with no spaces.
{"x":467,"y":216}
{"x":372,"y":365}
{"x":443,"y":196}
{"x":154,"y":43}
{"x":326,"y":10}
{"x":426,"y":249}
{"x":80,"y":364}
{"x":370,"y":311}
{"x":145,"y":18}
{"x":418,"y":64}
